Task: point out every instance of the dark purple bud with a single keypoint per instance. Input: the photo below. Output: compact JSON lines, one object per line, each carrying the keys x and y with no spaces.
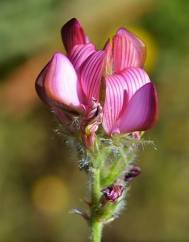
{"x":113,"y":192}
{"x":132,"y":172}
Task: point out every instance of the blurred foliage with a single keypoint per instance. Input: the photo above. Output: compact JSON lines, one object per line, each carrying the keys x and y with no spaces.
{"x":25,"y":26}
{"x":37,"y":169}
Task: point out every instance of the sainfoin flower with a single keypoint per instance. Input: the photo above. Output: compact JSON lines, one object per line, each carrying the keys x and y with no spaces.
{"x":72,"y":84}
{"x":131,"y":100}
{"x":88,"y":88}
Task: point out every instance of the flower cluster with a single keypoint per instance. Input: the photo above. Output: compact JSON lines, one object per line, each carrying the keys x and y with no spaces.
{"x":87,"y":87}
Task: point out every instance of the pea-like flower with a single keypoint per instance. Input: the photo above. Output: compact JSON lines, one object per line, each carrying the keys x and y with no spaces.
{"x":70,"y":84}
{"x":73,"y":84}
{"x":131,"y":100}
{"x":87,"y":88}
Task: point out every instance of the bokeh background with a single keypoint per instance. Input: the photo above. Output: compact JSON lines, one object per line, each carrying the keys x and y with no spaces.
{"x":39,"y":177}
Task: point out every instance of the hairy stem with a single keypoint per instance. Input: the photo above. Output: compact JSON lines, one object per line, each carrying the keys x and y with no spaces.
{"x":95,"y":225}
{"x":96,"y":231}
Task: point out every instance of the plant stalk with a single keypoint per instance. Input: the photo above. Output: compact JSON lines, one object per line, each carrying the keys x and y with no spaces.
{"x":96,"y":231}
{"x":96,"y":226}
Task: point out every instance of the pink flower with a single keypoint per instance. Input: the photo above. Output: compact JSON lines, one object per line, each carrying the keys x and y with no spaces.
{"x":70,"y":84}
{"x":131,"y":100}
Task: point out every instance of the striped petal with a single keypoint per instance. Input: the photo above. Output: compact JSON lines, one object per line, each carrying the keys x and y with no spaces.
{"x":91,"y":75}
{"x":116,"y":95}
{"x":61,"y":82}
{"x":127,"y":51}
{"x":73,"y":34}
{"x":119,"y":90}
{"x":134,"y":79}
{"x":141,"y":112}
{"x":80,"y":53}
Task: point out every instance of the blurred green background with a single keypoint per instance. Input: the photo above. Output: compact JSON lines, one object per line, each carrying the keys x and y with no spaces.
{"x":39,"y":178}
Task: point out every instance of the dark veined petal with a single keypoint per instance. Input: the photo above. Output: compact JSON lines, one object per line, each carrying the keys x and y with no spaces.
{"x":125,"y":50}
{"x":91,"y":75}
{"x":140,"y":112}
{"x":80,"y":53}
{"x":73,"y":34}
{"x":116,"y":95}
{"x":119,"y":89}
{"x":61,"y":82}
{"x":134,"y":79}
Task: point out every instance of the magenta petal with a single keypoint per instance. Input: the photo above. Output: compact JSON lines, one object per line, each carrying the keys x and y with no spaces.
{"x":91,"y":75}
{"x":134,"y":79}
{"x":80,"y":53}
{"x":116,"y":95}
{"x":61,"y":82}
{"x":119,"y":89}
{"x":141,"y":112}
{"x":127,"y":51}
{"x":73,"y":34}
{"x":39,"y":86}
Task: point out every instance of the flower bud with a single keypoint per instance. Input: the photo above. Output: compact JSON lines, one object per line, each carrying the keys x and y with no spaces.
{"x":132,"y":172}
{"x":113,"y":192}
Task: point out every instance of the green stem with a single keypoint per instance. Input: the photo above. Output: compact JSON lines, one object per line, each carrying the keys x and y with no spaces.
{"x":96,"y":231}
{"x":95,"y":225}
{"x":95,"y":189}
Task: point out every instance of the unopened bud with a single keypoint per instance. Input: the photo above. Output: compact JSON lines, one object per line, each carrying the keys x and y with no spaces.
{"x":113,"y":192}
{"x":132,"y":172}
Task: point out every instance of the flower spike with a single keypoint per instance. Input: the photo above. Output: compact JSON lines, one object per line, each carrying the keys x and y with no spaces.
{"x":88,"y":88}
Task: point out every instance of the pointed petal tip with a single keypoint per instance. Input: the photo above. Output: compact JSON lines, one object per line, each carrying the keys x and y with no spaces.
{"x":73,"y":34}
{"x":72,"y":23}
{"x":125,"y":31}
{"x":121,"y":31}
{"x":74,"y":20}
{"x":57,"y":56}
